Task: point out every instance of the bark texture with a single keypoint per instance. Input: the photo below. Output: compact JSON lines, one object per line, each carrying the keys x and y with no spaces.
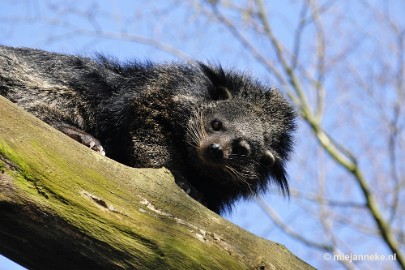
{"x":63,"y":206}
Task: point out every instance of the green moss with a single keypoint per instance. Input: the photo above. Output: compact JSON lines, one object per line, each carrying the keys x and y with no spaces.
{"x":18,"y":167}
{"x":124,"y":216}
{"x":47,"y":172}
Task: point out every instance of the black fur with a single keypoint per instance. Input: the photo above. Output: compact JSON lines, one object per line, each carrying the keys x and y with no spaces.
{"x":222,"y":134}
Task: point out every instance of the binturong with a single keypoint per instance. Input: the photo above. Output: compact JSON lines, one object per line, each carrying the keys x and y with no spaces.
{"x":222,"y":134}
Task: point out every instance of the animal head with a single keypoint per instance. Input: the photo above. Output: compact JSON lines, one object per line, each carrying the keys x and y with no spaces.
{"x":244,"y":137}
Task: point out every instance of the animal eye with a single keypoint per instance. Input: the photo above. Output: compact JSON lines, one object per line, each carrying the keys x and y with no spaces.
{"x":216,"y":125}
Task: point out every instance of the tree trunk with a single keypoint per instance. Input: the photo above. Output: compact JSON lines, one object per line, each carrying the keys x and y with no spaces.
{"x":64,"y":206}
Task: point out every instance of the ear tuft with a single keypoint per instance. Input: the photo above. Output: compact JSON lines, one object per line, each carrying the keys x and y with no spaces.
{"x":219,"y":79}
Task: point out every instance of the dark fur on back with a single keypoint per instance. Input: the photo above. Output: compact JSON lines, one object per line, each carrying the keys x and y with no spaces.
{"x":223,"y":134}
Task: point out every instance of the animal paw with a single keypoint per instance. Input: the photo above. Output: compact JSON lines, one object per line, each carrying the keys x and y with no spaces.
{"x":191,"y":191}
{"x":92,"y":143}
{"x":83,"y":137}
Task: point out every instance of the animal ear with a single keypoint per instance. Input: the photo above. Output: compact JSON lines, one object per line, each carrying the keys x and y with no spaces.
{"x":222,"y":93}
{"x":268,"y":159}
{"x":218,"y":78}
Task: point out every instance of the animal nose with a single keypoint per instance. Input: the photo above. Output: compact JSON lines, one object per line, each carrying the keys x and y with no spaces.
{"x":215,"y":151}
{"x":241,"y":147}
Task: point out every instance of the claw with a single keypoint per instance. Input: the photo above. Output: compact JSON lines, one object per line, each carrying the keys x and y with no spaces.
{"x":84,"y":138}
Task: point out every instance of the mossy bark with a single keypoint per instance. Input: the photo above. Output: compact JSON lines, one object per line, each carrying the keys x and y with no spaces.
{"x":63,"y":206}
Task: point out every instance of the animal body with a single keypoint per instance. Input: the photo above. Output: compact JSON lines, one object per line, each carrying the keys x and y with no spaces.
{"x":223,"y":134}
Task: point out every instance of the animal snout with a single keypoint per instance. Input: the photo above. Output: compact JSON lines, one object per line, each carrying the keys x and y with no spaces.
{"x":215,"y":152}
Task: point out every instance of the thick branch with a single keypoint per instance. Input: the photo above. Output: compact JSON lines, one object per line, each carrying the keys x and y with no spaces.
{"x":63,"y":206}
